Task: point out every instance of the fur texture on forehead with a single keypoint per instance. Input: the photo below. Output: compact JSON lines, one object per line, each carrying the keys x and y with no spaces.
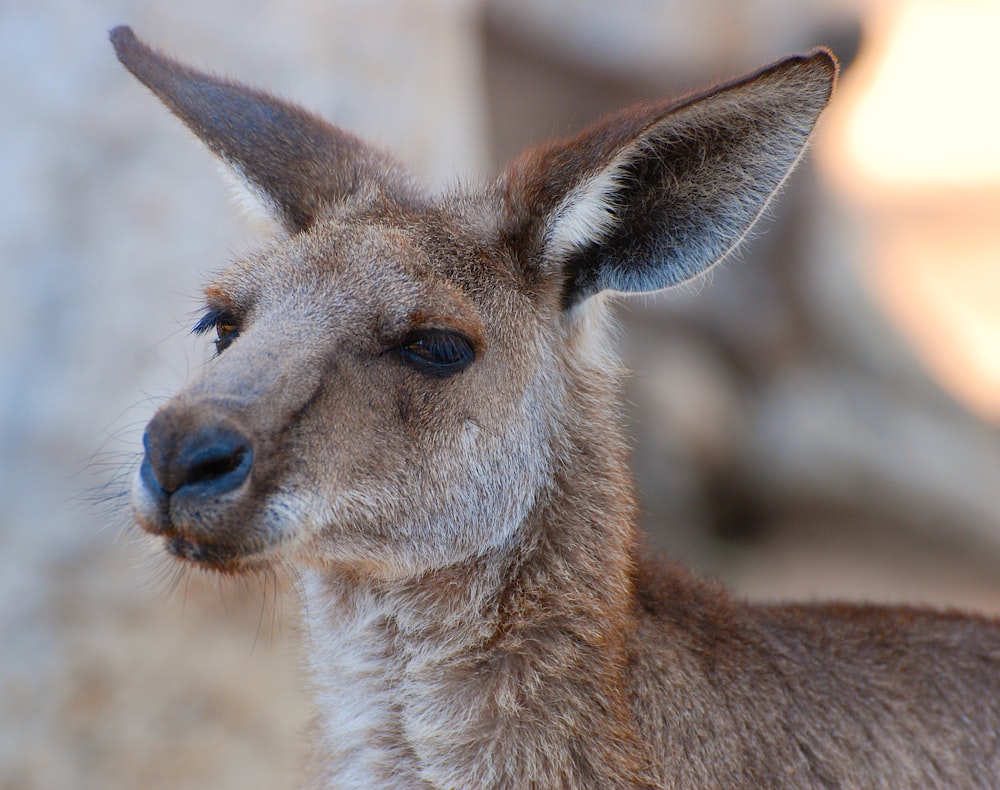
{"x":441,"y":262}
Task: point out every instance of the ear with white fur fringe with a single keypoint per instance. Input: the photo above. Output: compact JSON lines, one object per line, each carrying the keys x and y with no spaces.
{"x":655,"y":195}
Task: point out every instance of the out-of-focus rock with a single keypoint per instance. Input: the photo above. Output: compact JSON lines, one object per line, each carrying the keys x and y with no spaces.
{"x":831,"y":438}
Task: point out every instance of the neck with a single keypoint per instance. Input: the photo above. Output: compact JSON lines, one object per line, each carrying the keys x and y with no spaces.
{"x":492,"y":669}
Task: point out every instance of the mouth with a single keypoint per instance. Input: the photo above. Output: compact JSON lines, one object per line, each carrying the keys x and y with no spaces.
{"x":196,"y":538}
{"x":221,"y":558}
{"x":209,"y":533}
{"x":216,"y":558}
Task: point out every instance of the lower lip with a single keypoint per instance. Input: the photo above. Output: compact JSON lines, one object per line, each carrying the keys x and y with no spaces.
{"x":208,"y":557}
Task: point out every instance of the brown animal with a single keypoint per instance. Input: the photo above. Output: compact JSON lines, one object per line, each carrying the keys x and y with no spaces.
{"x":415,"y":405}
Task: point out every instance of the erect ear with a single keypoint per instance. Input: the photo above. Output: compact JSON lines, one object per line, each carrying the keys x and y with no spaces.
{"x":656,"y":194}
{"x":294,"y":162}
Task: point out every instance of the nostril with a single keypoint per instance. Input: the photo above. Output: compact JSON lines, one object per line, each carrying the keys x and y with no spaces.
{"x":216,"y":462}
{"x":208,"y":460}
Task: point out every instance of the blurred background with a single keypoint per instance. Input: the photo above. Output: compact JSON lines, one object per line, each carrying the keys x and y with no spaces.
{"x":819,"y":418}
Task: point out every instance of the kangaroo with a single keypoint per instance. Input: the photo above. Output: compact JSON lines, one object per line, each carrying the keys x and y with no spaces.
{"x":415,"y":405}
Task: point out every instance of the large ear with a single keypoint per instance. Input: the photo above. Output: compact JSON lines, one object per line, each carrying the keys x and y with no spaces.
{"x":293,"y":161}
{"x":654,"y":195}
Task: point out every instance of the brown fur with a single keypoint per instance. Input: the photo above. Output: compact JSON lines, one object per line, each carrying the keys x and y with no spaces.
{"x":416,"y":404}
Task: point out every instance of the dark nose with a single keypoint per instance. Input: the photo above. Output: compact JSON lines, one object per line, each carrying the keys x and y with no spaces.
{"x":206,"y":460}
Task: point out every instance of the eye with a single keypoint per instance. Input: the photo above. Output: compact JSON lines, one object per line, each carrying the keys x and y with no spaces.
{"x":437,"y":352}
{"x":226,"y":332}
{"x":225,"y":325}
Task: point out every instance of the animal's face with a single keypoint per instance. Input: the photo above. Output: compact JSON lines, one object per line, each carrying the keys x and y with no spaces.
{"x":384,"y":397}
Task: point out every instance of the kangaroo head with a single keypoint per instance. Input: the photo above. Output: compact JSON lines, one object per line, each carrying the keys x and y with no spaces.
{"x":401,"y":376}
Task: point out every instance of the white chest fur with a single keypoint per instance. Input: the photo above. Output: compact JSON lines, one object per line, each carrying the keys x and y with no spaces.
{"x":398,"y":705}
{"x":356,"y":673}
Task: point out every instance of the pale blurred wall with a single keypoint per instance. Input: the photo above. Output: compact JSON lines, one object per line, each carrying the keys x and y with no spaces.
{"x":112,"y":217}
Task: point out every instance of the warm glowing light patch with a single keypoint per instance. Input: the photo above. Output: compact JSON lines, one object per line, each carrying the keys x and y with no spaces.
{"x":928,"y":105}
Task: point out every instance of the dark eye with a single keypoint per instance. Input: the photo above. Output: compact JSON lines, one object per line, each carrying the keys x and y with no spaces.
{"x":225,"y":325}
{"x":437,"y":352}
{"x":226,"y":332}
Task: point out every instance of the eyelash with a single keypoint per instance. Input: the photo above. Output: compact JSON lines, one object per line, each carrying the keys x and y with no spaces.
{"x":225,"y":325}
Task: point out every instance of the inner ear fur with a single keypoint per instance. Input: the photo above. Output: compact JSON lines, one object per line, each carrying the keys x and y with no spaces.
{"x":656,"y":194}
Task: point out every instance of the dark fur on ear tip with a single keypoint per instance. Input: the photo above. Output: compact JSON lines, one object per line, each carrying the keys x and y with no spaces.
{"x":120,"y":34}
{"x":823,"y":59}
{"x":123,"y":39}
